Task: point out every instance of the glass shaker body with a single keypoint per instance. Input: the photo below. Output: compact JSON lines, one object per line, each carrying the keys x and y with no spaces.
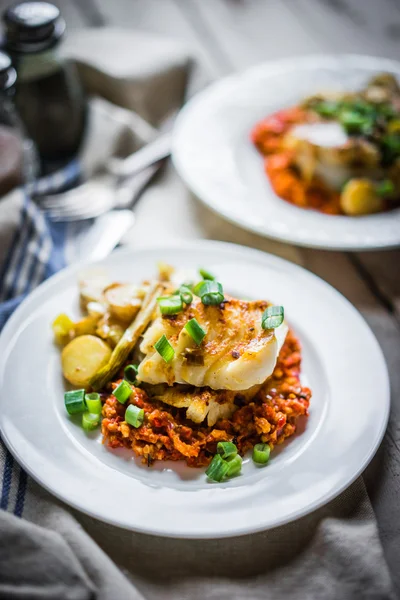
{"x":49,"y":97}
{"x":18,"y":156}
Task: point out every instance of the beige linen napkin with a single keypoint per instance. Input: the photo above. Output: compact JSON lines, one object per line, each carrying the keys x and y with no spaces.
{"x":55,"y":552}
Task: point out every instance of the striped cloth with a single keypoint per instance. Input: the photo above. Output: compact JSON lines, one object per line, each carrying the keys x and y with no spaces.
{"x":35,"y":250}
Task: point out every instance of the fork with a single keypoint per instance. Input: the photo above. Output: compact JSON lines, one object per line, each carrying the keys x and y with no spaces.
{"x":94,"y":198}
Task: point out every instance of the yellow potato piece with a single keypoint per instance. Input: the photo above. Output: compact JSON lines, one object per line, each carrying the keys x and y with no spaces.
{"x":123,"y":301}
{"x":359,"y":197}
{"x":83,"y":357}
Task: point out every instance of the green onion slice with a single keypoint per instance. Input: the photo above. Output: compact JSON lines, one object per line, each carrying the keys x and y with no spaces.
{"x":196,"y":331}
{"x":261,"y":453}
{"x":210,"y":292}
{"x":206,"y":275}
{"x":217,"y":469}
{"x":90,"y":421}
{"x":123,"y":391}
{"x":226,"y":449}
{"x":273,"y":317}
{"x":326,"y":108}
{"x":75,"y":401}
{"x":164,"y":349}
{"x":134,"y":415}
{"x":170,"y":305}
{"x":93,"y":403}
{"x":353,"y":121}
{"x":130,"y":373}
{"x":385,"y":188}
{"x":186,"y":294}
{"x":234,"y":465}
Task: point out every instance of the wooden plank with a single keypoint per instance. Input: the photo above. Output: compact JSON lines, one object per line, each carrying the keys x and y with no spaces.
{"x":245,"y":33}
{"x":384,"y":270}
{"x":367,"y":27}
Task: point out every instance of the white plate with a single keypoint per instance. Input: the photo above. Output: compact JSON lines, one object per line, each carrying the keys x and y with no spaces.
{"x":213,"y":153}
{"x":342,"y":363}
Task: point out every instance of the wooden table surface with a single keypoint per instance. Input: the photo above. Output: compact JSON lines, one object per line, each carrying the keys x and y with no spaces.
{"x":229,"y":35}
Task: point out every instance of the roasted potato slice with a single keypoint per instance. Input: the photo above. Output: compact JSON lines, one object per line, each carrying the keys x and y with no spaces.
{"x":359,"y":197}
{"x":83,"y":357}
{"x":124,"y":300}
{"x":110,"y":330}
{"x":91,"y":285}
{"x":85,"y":326}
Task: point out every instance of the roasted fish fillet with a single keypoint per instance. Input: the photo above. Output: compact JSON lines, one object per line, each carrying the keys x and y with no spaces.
{"x":202,"y":402}
{"x":236,"y":353}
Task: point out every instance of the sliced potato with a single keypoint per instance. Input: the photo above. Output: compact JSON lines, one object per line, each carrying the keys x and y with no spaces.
{"x":129,"y":339}
{"x":96,"y":309}
{"x":123,"y":301}
{"x":110,"y":330}
{"x":86,"y":326}
{"x":359,"y":197}
{"x":91,"y":285}
{"x":83,"y":357}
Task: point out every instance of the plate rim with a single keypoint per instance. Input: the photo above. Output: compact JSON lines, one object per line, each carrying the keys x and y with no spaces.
{"x":14,"y":322}
{"x":236,"y":77}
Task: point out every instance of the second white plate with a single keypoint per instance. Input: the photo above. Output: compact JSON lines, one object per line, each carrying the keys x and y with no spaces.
{"x":213,"y":153}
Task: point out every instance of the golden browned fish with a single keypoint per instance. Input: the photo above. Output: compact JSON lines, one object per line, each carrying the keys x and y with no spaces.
{"x":235,"y":354}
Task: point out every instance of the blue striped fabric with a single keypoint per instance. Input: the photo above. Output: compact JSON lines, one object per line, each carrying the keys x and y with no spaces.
{"x":36,"y":251}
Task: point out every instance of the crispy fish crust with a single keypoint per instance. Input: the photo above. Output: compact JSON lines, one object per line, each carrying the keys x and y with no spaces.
{"x":236,"y":353}
{"x":201,"y":402}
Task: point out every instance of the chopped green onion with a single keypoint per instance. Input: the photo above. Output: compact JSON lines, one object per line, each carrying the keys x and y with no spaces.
{"x":164,"y":349}
{"x":217,"y":469}
{"x":326,"y":108}
{"x":195,"y":330}
{"x":273,"y":317}
{"x":261,"y":454}
{"x":206,"y":275}
{"x":197,"y":288}
{"x":123,"y":391}
{"x":390,"y":147}
{"x":93,"y":403}
{"x":134,"y":415}
{"x":352,"y":121}
{"x":170,"y":305}
{"x":75,"y":401}
{"x":210,"y":292}
{"x":90,"y":421}
{"x":385,"y":188}
{"x":226,"y":449}
{"x":186,"y":294}
{"x":234,"y":465}
{"x":130,"y":373}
